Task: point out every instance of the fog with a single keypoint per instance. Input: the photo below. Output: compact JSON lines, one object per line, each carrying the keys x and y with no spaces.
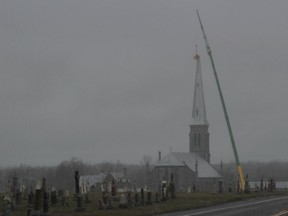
{"x":111,"y":80}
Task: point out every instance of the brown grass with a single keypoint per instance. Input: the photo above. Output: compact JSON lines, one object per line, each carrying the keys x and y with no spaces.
{"x":183,"y":201}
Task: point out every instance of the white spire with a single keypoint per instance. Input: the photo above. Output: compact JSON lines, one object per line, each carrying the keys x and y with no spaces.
{"x":199,"y":110}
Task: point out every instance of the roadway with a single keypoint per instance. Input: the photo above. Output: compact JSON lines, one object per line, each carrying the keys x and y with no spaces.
{"x":268,"y":206}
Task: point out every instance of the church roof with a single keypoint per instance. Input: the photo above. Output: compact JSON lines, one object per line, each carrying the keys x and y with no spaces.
{"x":182,"y":159}
{"x":199,"y":110}
{"x":92,"y":179}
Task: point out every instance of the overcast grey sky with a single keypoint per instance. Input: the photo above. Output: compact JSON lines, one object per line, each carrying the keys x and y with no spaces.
{"x":108,"y":80}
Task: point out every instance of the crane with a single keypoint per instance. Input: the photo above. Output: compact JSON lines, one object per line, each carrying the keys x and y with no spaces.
{"x":239,"y":168}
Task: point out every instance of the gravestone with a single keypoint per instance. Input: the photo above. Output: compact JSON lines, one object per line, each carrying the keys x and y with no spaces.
{"x":230,"y":188}
{"x":142,"y":197}
{"x":45,"y":197}
{"x":271,"y":185}
{"x":18,"y":196}
{"x":31,"y":199}
{"x":60,"y":194}
{"x":38,"y":200}
{"x":113,"y":189}
{"x":172,"y":187}
{"x":247,"y":186}
{"x":129,"y":198}
{"x":77,"y":191}
{"x":45,"y":202}
{"x":220,"y":189}
{"x":41,"y":201}
{"x":239,"y":190}
{"x":15,"y":190}
{"x":149,"y":198}
{"x":123,"y":201}
{"x":87,"y":200}
{"x":261,"y":186}
{"x":53,"y":198}
{"x":164,"y":191}
{"x":6,"y":206}
{"x":136,"y":199}
{"x":156,"y":197}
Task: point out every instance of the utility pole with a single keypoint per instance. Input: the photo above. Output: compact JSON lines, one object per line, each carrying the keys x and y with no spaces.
{"x":239,"y":168}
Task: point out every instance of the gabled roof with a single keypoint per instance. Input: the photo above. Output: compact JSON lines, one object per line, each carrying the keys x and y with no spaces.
{"x":92,"y":179}
{"x":101,"y":177}
{"x":182,"y":159}
{"x":119,"y":177}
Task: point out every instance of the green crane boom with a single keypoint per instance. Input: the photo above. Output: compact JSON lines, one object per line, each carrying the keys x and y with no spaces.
{"x":239,"y":168}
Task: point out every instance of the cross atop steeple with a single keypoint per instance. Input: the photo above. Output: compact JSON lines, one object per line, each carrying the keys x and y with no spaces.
{"x":199,"y":110}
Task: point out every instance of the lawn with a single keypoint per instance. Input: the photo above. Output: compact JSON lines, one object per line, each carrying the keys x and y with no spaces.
{"x":183,"y":201}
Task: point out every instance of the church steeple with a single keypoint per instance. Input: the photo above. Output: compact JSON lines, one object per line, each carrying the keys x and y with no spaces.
{"x":199,"y":135}
{"x":199,"y":110}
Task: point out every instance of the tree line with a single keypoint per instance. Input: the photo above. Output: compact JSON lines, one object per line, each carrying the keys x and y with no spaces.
{"x":61,"y":177}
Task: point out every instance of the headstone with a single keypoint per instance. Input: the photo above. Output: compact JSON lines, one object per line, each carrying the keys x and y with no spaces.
{"x":261,"y":186}
{"x":136,"y":199}
{"x":64,"y":201}
{"x":31,"y":199}
{"x":135,"y":187}
{"x":142,"y":197}
{"x":271,"y":185}
{"x":194,"y":188}
{"x":60,"y":193}
{"x":100,"y":204}
{"x":220,"y":189}
{"x":230,"y":188}
{"x":77,"y":191}
{"x":28,"y":212}
{"x":123,"y":201}
{"x":110,"y":203}
{"x":45,"y":202}
{"x":18,"y":196}
{"x":164,"y":191}
{"x":45,"y":197}
{"x":129,"y":198}
{"x":38,"y":200}
{"x":113,"y":189}
{"x":87,"y":200}
{"x":15,"y":190}
{"x":6,"y":206}
{"x":172,"y":187}
{"x":109,"y":186}
{"x":105,"y":198}
{"x":53,"y":198}
{"x":149,"y":198}
{"x":238,"y":187}
{"x":156,"y":197}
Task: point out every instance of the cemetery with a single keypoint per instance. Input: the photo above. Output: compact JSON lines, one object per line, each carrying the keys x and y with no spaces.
{"x":44,"y":201}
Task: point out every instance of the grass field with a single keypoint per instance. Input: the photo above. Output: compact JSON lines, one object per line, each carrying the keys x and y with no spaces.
{"x":183,"y":201}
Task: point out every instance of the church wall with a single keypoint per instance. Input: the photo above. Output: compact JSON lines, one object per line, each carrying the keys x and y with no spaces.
{"x":184,"y":178}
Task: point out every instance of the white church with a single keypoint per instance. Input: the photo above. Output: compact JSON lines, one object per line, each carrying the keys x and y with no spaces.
{"x":191,"y":170}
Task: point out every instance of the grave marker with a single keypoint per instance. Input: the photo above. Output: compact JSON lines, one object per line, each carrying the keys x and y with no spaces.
{"x":77,"y":191}
{"x":149,"y":198}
